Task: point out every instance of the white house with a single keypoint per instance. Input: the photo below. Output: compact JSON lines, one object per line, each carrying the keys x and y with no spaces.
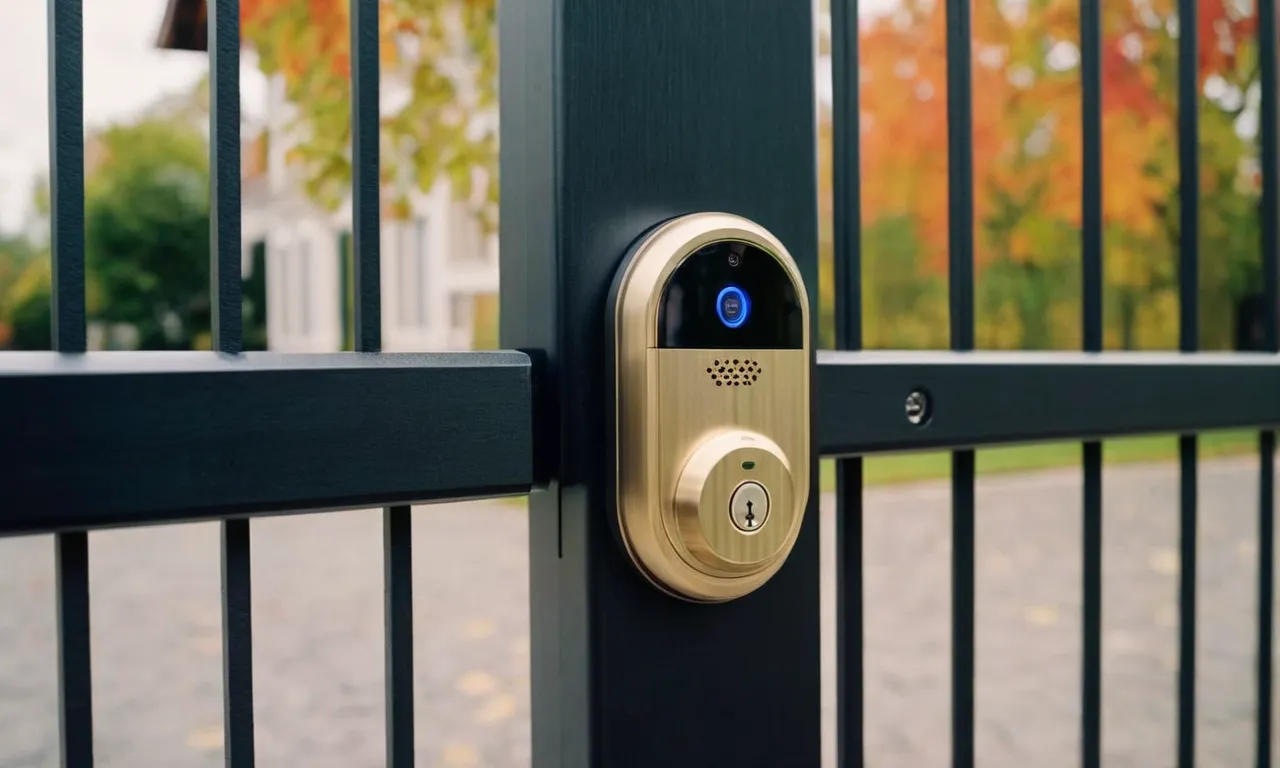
{"x":435,"y":264}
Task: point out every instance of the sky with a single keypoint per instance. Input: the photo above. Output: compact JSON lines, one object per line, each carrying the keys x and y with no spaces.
{"x":124,"y":72}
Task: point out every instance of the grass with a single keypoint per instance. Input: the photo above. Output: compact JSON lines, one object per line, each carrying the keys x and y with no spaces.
{"x":911,"y":467}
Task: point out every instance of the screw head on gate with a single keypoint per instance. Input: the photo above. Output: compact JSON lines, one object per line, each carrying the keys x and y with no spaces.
{"x":918,"y":407}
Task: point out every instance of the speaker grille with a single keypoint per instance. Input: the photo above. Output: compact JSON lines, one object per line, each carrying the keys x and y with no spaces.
{"x":735,"y":372}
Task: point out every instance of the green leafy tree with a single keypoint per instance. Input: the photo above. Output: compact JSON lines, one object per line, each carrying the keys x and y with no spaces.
{"x":443,"y":51}
{"x":1028,"y":165}
{"x":26,"y":308}
{"x":15,"y":254}
{"x":147,"y":234}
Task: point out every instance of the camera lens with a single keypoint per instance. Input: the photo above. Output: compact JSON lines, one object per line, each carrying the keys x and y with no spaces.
{"x":732,"y":306}
{"x":734,"y":259}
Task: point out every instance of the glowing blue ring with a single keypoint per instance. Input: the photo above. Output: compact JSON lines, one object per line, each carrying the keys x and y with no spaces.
{"x":733,"y":291}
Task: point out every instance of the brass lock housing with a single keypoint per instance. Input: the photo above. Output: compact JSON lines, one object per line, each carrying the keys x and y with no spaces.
{"x":712,"y":369}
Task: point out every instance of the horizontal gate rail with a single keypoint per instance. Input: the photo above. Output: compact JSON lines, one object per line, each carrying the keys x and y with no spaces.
{"x":132,"y":438}
{"x":992,"y":398}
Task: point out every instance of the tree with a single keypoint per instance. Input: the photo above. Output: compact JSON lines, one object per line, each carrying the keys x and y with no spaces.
{"x":443,"y":50}
{"x":146,"y":243}
{"x":17,"y":256}
{"x":147,"y":234}
{"x":1028,"y":164}
{"x":26,"y":308}
{"x":1027,"y":150}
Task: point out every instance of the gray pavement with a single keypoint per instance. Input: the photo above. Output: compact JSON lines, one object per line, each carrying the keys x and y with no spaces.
{"x":318,"y":631}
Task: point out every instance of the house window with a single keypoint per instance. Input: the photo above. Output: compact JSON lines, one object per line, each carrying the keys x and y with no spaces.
{"x":466,"y":237}
{"x":420,"y":231}
{"x":255,"y":299}
{"x":294,"y":280}
{"x":462,"y":311}
{"x":411,"y":260}
{"x":304,"y":287}
{"x":286,"y":290}
{"x":408,"y":269}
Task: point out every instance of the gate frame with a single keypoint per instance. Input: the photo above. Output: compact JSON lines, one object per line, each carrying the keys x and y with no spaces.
{"x":593,"y":154}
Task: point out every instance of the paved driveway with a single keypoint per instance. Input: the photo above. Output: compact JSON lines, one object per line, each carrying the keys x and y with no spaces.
{"x":318,"y":628}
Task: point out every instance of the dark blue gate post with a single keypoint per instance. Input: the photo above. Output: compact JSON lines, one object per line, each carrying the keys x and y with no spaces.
{"x":617,"y":115}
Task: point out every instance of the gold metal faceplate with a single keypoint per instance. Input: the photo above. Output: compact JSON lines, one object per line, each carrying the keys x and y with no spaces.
{"x":685,"y":445}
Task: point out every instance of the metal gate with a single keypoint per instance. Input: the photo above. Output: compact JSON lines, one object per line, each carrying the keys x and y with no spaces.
{"x":615,"y":115}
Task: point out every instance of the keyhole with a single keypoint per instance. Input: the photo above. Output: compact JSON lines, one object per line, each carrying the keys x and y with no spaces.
{"x":751,"y":516}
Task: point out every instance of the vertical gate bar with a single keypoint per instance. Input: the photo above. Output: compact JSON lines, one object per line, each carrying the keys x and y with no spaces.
{"x":960,"y":172}
{"x":224,"y":161}
{"x":1187,"y":601}
{"x":225,"y":293}
{"x":1091,"y":338}
{"x":66,"y":166}
{"x":397,"y":585}
{"x":1091,"y":590}
{"x":847,"y":192}
{"x":237,"y":644}
{"x":397,"y":521}
{"x":963,"y":650}
{"x":1269,"y":150}
{"x":961,"y":288}
{"x":1266,"y":594}
{"x":66,"y":171}
{"x":1269,"y":214}
{"x":366,"y":188}
{"x":75,"y":681}
{"x":1091,"y":184}
{"x":1188,"y":341}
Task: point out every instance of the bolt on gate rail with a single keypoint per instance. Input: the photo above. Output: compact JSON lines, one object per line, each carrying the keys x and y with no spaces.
{"x":97,"y":440}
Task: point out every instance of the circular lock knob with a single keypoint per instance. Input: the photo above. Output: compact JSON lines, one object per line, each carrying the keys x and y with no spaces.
{"x":735,"y":507}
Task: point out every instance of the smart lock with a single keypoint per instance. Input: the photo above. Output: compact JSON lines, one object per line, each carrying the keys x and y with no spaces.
{"x":711,"y":368}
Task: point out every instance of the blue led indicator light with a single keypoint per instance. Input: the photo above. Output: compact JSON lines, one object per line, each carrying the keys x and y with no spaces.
{"x":733,"y":307}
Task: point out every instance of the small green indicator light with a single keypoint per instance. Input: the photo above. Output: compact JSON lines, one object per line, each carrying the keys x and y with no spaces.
{"x":748,"y":465}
